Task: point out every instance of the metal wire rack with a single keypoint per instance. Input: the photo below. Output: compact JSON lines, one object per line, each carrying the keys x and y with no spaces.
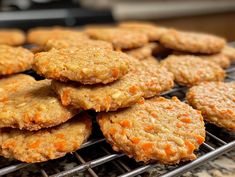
{"x":96,"y":154}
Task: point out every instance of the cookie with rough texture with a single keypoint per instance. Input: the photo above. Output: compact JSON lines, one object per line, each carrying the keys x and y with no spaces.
{"x":140,"y":81}
{"x":216,"y":101}
{"x":152,"y":31}
{"x":159,"y":129}
{"x":46,"y":144}
{"x":41,"y":35}
{"x":12,"y":37}
{"x":220,"y":59}
{"x":192,"y":42}
{"x":84,"y":65}
{"x":80,"y":43}
{"x":14,"y":59}
{"x":229,"y":52}
{"x":31,"y":106}
{"x":12,"y":83}
{"x":120,"y":38}
{"x":142,"y":52}
{"x":190,"y":70}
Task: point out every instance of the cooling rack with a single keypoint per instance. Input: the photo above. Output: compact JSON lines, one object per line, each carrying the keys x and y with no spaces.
{"x":96,"y":158}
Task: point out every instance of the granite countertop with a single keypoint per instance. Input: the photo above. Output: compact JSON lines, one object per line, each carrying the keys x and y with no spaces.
{"x":222,"y":166}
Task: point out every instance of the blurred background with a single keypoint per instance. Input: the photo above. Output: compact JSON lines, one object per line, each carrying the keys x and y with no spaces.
{"x":213,"y":16}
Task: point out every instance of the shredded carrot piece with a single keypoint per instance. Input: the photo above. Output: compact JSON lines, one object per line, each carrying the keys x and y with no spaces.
{"x":149,"y":128}
{"x":179,"y":124}
{"x":55,"y":74}
{"x":115,"y":72}
{"x":65,"y":97}
{"x":60,"y":146}
{"x":125,"y":123}
{"x":107,"y":99}
{"x":190,"y":146}
{"x":141,"y":101}
{"x":168,"y":149}
{"x":9,"y":71}
{"x":133,"y":89}
{"x":37,"y":116}
{"x":5,"y":99}
{"x":154,"y":114}
{"x":123,"y":132}
{"x":147,"y":146}
{"x":200,"y":139}
{"x":9,"y":144}
{"x":35,"y":144}
{"x":60,"y":135}
{"x":228,"y":111}
{"x":135,"y":140}
{"x":45,"y":63}
{"x":186,"y":120}
{"x":112,"y":131}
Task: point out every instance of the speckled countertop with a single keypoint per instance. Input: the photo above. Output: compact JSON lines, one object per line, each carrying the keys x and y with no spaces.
{"x":223,"y":166}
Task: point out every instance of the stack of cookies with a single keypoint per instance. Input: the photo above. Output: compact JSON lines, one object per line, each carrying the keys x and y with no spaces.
{"x":114,"y":71}
{"x":88,"y":74}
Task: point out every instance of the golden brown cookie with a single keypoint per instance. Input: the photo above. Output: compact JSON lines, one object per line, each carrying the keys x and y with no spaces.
{"x":46,"y":144}
{"x":41,"y":35}
{"x":140,"y":81}
{"x":190,"y":70}
{"x":12,"y":37}
{"x":120,"y":38}
{"x":192,"y":42}
{"x":229,"y":52}
{"x":220,"y":59}
{"x":14,"y":59}
{"x":80,"y":43}
{"x":151,"y":30}
{"x":32,"y":105}
{"x":84,"y":65}
{"x":142,"y":52}
{"x":12,"y":83}
{"x":159,"y":129}
{"x":216,"y":100}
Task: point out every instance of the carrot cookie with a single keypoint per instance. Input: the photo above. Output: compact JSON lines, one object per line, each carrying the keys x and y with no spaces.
{"x":216,"y":100}
{"x":14,"y":59}
{"x":32,"y":105}
{"x":192,"y":42}
{"x":46,"y":144}
{"x":70,"y":43}
{"x":229,"y":52}
{"x":120,"y":38}
{"x":12,"y":37}
{"x":152,"y":31}
{"x":159,"y":129}
{"x":220,"y":59}
{"x":142,"y":52}
{"x":140,"y":81}
{"x":41,"y":35}
{"x":84,"y":65}
{"x":191,"y":70}
{"x":10,"y":84}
